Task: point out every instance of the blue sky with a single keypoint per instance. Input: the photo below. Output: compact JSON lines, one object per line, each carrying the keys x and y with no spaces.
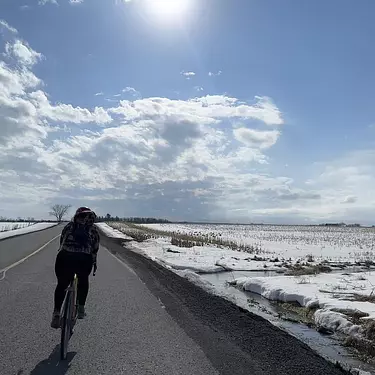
{"x":218,"y":110}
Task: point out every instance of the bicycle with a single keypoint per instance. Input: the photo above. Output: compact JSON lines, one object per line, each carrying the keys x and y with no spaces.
{"x":69,"y":314}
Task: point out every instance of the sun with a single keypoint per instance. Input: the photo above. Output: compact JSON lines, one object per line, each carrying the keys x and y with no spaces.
{"x":167,"y":9}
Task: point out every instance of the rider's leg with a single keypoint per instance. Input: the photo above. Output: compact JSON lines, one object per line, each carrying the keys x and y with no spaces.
{"x":83,"y":272}
{"x":64,"y":273}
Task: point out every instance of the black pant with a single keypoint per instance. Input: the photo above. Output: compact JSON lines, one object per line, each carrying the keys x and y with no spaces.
{"x":67,"y":264}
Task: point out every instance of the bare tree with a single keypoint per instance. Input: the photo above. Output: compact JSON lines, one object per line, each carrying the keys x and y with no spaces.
{"x":59,"y":210}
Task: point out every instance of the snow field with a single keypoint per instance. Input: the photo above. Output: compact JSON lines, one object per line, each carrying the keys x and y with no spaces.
{"x":21,"y":229}
{"x":333,"y":244}
{"x":334,"y":297}
{"x":6,"y":226}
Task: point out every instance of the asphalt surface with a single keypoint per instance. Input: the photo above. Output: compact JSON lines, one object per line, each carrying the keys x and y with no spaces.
{"x":142,"y":319}
{"x":15,"y":248}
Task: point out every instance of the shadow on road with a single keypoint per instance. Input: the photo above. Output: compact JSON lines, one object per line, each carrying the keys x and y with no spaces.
{"x":53,"y":365}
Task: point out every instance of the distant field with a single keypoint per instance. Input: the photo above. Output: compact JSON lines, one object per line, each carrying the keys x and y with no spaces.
{"x":324,"y":242}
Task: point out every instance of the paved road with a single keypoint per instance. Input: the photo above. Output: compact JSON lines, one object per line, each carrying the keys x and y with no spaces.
{"x":148,"y":323}
{"x":15,"y":248}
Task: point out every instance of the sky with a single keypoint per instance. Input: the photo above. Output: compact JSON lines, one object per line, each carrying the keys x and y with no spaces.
{"x":198,"y":110}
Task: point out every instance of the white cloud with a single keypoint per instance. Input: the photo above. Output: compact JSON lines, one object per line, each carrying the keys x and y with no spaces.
{"x":188,"y":75}
{"x":256,"y":138}
{"x":198,"y":88}
{"x":200,"y":158}
{"x":44,"y":2}
{"x":208,"y":109}
{"x":23,"y":53}
{"x":132,"y":91}
{"x":212,"y":74}
{"x":152,"y":141}
{"x":99,"y":93}
{"x":74,"y":2}
{"x":350,"y":199}
{"x":5,"y":25}
{"x":67,"y":112}
{"x":345,"y":187}
{"x":16,"y":81}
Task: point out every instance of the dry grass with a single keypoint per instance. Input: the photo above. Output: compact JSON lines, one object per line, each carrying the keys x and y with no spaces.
{"x":355,"y":316}
{"x":360,"y":297}
{"x":302,"y":280}
{"x":303,"y":314}
{"x":307,"y":269}
{"x":132,"y":231}
{"x":182,"y":240}
{"x":364,"y":298}
{"x":365,"y":345}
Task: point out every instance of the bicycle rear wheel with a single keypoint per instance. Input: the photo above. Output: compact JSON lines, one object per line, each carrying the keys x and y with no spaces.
{"x":66,"y":324}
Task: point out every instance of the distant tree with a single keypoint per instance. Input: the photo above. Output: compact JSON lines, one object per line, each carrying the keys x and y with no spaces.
{"x":108,"y":216}
{"x":59,"y":211}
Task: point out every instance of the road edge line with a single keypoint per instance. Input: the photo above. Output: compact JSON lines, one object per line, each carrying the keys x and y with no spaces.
{"x":121,"y":261}
{"x":4,"y":270}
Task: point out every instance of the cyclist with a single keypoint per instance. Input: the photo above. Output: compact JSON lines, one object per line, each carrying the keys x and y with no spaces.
{"x":79,"y":245}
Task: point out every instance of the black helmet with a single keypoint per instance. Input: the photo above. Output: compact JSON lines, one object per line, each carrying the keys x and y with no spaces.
{"x":85,"y":210}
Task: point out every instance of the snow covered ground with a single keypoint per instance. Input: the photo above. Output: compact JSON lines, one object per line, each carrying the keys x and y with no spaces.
{"x":8,"y":230}
{"x":340,"y":301}
{"x":112,"y":232}
{"x":216,"y":258}
{"x":333,"y":244}
{"x":200,"y":259}
{"x":335,"y":297}
{"x":203,"y":259}
{"x":9,"y":225}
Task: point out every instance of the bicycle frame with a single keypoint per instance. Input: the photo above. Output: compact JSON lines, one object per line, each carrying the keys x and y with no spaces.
{"x":69,"y":316}
{"x":74,"y":287}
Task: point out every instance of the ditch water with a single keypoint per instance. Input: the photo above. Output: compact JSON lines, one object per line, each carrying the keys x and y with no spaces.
{"x":327,"y":346}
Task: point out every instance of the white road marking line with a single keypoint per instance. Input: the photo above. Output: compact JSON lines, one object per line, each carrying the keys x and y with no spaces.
{"x":120,"y":261}
{"x":4,"y":270}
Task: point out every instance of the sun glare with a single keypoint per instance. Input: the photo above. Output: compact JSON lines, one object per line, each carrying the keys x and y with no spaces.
{"x":167,"y":10}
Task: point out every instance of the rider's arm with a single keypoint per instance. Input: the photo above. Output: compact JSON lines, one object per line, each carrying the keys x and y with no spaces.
{"x":63,"y":233}
{"x":95,"y":243}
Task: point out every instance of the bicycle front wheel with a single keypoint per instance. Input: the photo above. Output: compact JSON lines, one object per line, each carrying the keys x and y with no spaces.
{"x":66,"y":325}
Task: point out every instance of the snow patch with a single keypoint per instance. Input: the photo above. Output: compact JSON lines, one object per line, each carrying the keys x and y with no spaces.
{"x":201,"y":259}
{"x":335,"y":296}
{"x":111,"y":232}
{"x":26,"y":229}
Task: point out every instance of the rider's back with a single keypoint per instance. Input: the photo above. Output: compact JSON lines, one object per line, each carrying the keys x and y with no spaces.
{"x":79,"y":238}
